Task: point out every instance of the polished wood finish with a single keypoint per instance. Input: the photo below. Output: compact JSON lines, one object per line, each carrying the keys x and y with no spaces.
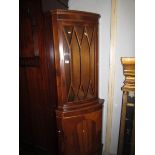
{"x":126,"y":143}
{"x":80,"y":134}
{"x":74,"y":41}
{"x":76,"y":56}
{"x":37,"y":101}
{"x":129,"y":73}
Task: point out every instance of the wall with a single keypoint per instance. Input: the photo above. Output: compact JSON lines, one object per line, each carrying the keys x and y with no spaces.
{"x":125,"y":47}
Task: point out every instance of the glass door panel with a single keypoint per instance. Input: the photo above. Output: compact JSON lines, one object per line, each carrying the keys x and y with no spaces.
{"x":79,"y":62}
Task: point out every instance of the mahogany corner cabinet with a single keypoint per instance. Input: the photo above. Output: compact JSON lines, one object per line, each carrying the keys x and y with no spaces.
{"x":73,"y":46}
{"x":60,"y":111}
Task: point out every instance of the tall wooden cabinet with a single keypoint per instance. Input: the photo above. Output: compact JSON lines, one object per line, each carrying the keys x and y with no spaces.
{"x":60,"y":112}
{"x":74,"y":35}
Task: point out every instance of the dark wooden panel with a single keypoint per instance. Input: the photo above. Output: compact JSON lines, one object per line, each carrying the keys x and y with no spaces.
{"x":25,"y":121}
{"x":54,"y":4}
{"x":29,"y":62}
{"x":29,"y":20}
{"x":37,"y":89}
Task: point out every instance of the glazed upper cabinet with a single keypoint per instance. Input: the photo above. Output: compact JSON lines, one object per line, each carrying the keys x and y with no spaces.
{"x":79,"y":50}
{"x":76,"y":55}
{"x":74,"y":50}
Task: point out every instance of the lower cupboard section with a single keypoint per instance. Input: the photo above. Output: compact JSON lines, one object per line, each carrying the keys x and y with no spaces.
{"x":80,"y":134}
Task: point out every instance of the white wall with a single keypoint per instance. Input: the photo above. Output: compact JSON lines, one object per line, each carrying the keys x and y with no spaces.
{"x":102,"y":7}
{"x":125,"y":47}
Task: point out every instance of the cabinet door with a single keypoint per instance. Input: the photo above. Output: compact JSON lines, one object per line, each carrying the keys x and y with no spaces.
{"x":82,"y":134}
{"x":80,"y":61}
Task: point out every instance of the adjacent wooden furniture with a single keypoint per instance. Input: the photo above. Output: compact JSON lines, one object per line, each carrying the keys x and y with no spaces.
{"x":37,"y":121}
{"x":60,"y":112}
{"x":126,"y":144}
{"x":72,"y":44}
